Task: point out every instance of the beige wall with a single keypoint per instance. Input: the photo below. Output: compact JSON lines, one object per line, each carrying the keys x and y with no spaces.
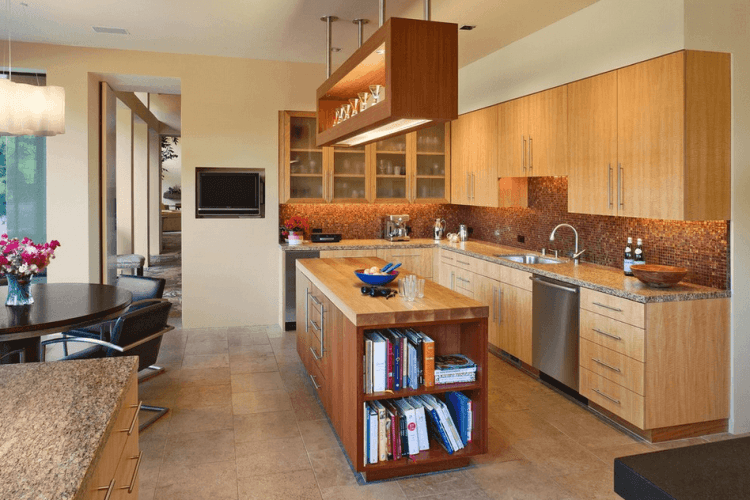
{"x":229,"y":118}
{"x":140,"y":189}
{"x":124,"y":179}
{"x":724,"y":25}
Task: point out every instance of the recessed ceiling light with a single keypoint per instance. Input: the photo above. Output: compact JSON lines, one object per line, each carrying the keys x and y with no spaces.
{"x":110,"y":31}
{"x":468,"y":27}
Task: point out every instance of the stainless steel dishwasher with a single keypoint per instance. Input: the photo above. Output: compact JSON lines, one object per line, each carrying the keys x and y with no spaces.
{"x":554,"y":329}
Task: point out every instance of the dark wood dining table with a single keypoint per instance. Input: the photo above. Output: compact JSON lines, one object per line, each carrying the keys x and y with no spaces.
{"x":57,"y":308}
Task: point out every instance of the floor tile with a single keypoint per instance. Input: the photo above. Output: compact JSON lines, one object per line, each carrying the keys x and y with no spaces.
{"x":200,"y":447}
{"x":209,"y":418}
{"x":265,"y":426}
{"x":590,"y":485}
{"x":253,"y":350}
{"x":205,"y":378}
{"x":203,"y":361}
{"x":199,"y":397}
{"x":298,"y":485}
{"x":269,"y":457}
{"x":306,"y":405}
{"x":250,"y":363}
{"x":463,"y":495}
{"x":252,"y":382}
{"x":286,"y":358}
{"x":378,"y":491}
{"x":206,"y":345}
{"x":517,"y":425}
{"x":678,"y":443}
{"x":586,"y":429}
{"x":498,"y":450}
{"x":455,"y":483}
{"x":518,"y":480}
{"x":723,"y":436}
{"x":145,"y":494}
{"x":148,"y":474}
{"x":260,"y":401}
{"x":331,"y":468}
{"x":209,"y":481}
{"x":202,"y":334}
{"x":240,"y":338}
{"x":558,"y":455}
{"x":318,"y":435}
{"x":608,"y":454}
{"x":288,"y":340}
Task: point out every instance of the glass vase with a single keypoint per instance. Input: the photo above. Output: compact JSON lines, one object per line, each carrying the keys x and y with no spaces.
{"x":19,"y":291}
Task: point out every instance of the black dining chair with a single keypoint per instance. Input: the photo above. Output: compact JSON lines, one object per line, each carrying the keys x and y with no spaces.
{"x":137,"y":332}
{"x":142,"y":287}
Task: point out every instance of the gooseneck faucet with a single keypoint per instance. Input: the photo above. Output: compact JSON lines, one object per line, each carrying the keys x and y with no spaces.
{"x":576,"y":253}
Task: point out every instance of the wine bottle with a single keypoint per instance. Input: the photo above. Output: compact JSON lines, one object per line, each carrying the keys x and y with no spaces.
{"x":640,"y":257}
{"x":628,"y":261}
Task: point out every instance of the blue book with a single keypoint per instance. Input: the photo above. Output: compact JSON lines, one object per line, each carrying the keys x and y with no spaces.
{"x":458,"y":406}
{"x":436,"y":427}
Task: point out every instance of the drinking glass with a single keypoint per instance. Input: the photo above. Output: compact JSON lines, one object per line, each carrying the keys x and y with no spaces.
{"x":410,"y":288}
{"x":376,"y":90}
{"x":354,"y":102}
{"x":363,"y":96}
{"x":420,"y":288}
{"x":347,"y":111}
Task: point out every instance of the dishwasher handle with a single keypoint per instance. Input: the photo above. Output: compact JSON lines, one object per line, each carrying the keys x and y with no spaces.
{"x":553,"y":285}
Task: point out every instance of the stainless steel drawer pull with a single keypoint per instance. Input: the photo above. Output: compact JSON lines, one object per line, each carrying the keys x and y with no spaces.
{"x":607,"y":307}
{"x":615,"y":337}
{"x":599,"y":361}
{"x":315,"y":355}
{"x":317,"y":387}
{"x":307,"y":309}
{"x":133,"y":480}
{"x":406,"y":255}
{"x":315,"y":325}
{"x":615,"y":401}
{"x":320,"y":304}
{"x":463,"y":262}
{"x":609,"y":184}
{"x":137,"y":407}
{"x":109,"y":489}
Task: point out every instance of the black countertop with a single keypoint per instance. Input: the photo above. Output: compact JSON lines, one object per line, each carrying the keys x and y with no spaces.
{"x":718,"y":470}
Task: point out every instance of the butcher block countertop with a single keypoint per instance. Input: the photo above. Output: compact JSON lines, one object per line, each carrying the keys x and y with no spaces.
{"x":335,"y":278}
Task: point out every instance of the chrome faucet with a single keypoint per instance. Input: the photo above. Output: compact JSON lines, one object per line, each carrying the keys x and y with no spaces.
{"x":576,"y":254}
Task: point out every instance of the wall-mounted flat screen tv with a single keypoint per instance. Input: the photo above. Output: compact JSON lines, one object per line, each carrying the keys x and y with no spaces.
{"x":230,"y":192}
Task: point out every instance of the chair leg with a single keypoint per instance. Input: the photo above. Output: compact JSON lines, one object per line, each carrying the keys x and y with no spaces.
{"x":155,"y":370}
{"x":65,"y":346}
{"x":159,"y":411}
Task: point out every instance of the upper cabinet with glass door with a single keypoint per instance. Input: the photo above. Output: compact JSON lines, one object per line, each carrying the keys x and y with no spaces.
{"x":302,"y":178}
{"x":431,"y":177}
{"x":348,"y":177}
{"x":390,"y":169}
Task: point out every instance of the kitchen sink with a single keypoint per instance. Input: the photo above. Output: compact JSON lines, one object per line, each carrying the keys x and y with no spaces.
{"x":529,"y":259}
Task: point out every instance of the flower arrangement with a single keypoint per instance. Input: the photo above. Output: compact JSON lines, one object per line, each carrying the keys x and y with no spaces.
{"x":25,"y":258}
{"x":294,"y":229}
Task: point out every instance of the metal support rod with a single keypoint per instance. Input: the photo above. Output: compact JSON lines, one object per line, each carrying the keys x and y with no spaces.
{"x":360,"y":30}
{"x":382,"y":13}
{"x":328,"y":20}
{"x":427,"y":11}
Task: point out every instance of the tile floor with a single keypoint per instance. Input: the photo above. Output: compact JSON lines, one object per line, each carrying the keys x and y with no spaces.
{"x":245,"y":424}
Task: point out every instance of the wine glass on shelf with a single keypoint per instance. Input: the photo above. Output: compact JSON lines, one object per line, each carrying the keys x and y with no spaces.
{"x":347,"y":111}
{"x":376,"y":91}
{"x":363,"y":96}
{"x":354,"y":103}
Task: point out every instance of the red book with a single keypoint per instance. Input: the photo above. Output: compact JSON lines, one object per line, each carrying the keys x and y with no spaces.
{"x":389,"y":350}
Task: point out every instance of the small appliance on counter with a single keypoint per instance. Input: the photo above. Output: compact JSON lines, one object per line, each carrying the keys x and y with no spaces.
{"x":463,"y":232}
{"x":325,"y":237}
{"x":396,"y":229}
{"x":439,"y":229}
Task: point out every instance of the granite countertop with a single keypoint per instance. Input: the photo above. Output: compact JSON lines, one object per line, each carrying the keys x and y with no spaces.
{"x":600,"y":278}
{"x":54,"y":418}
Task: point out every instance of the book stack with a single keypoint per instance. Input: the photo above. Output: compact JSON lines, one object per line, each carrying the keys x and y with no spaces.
{"x":397,"y":359}
{"x":454,"y":369}
{"x":397,"y":428}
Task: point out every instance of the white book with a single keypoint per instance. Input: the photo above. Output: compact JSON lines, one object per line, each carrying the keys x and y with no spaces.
{"x":411,"y":426}
{"x":366,"y":434}
{"x":447,"y":421}
{"x":424,"y":439}
{"x":368,"y":366}
{"x":373,"y":443}
{"x":413,"y":368}
{"x":379,"y":362}
{"x":382,"y":431}
{"x":451,"y":425}
{"x":471,"y":418}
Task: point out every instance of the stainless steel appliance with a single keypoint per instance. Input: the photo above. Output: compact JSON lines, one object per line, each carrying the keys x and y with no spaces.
{"x":290,"y":288}
{"x":439,"y":229}
{"x":463,"y":232}
{"x":554,"y":329}
{"x":395,"y":228}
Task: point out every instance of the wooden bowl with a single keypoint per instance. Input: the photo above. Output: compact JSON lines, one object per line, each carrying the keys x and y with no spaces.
{"x":658,"y":276}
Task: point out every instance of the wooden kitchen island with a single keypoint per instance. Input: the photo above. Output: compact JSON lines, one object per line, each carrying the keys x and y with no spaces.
{"x":330,"y":341}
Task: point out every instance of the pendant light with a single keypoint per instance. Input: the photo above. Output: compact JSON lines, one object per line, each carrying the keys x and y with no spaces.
{"x":29,"y":109}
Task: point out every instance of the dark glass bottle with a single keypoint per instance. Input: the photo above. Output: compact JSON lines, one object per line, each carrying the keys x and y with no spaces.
{"x":628,"y":261}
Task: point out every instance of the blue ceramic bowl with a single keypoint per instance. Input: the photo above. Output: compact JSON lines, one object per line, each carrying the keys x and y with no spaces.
{"x":374,"y":279}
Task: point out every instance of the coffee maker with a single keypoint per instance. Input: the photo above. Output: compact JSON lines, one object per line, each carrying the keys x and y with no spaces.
{"x":395,"y":228}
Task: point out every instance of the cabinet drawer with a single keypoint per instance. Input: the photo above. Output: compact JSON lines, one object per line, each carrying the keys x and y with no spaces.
{"x":325,"y":254}
{"x":616,"y":335}
{"x":627,"y":311}
{"x":447,"y":257}
{"x":612,"y":397}
{"x":463,"y":262}
{"x":464,"y":282}
{"x":612,"y":365}
{"x":316,"y":376}
{"x":519,"y":279}
{"x":126,"y":476}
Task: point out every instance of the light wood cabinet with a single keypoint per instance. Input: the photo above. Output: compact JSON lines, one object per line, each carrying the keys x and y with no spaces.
{"x":514,"y":321}
{"x":474,"y":158}
{"x":413,"y":260}
{"x":303,"y":177}
{"x":533,"y":135}
{"x":669,"y":155}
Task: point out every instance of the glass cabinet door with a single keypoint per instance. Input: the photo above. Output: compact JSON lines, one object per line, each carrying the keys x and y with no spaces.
{"x":304,"y":162}
{"x":432,"y":164}
{"x":390,"y":169}
{"x":348,"y":175}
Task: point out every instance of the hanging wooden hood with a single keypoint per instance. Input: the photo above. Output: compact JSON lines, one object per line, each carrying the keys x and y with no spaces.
{"x":417,"y":63}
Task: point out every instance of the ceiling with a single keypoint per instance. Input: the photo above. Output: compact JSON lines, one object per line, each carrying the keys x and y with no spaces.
{"x":284,"y":30}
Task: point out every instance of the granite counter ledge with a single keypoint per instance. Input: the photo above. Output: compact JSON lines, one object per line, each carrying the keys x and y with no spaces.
{"x":372,"y":244}
{"x":56,"y":418}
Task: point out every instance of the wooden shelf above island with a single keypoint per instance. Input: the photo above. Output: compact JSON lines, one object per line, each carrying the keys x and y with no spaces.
{"x":333,"y":317}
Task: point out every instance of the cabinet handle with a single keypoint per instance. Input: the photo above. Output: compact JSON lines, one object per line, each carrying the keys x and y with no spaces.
{"x":607,"y":307}
{"x":531,"y":154}
{"x":330,"y":195}
{"x":135,"y":473}
{"x":317,"y":387}
{"x":137,"y":407}
{"x":322,"y":330}
{"x":615,"y":401}
{"x":620,"y":183}
{"x":609,"y":184}
{"x":108,"y":488}
{"x":499,"y":305}
{"x":494,"y":303}
{"x":315,"y":355}
{"x":307,"y":309}
{"x":320,"y":304}
{"x":453,"y":280}
{"x":599,"y":361}
{"x":523,"y":154}
{"x":468,"y":190}
{"x":615,"y":337}
{"x":463,"y":262}
{"x":473,"y":186}
{"x":315,"y":325}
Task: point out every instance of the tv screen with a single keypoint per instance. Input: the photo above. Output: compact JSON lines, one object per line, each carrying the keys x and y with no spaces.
{"x":229,"y":192}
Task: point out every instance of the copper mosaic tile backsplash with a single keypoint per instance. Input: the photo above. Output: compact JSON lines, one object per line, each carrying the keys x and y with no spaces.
{"x":701,"y":247}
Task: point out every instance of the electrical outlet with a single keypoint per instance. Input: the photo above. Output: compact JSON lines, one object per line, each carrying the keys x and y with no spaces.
{"x":521,"y":238}
{"x":497,"y":233}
